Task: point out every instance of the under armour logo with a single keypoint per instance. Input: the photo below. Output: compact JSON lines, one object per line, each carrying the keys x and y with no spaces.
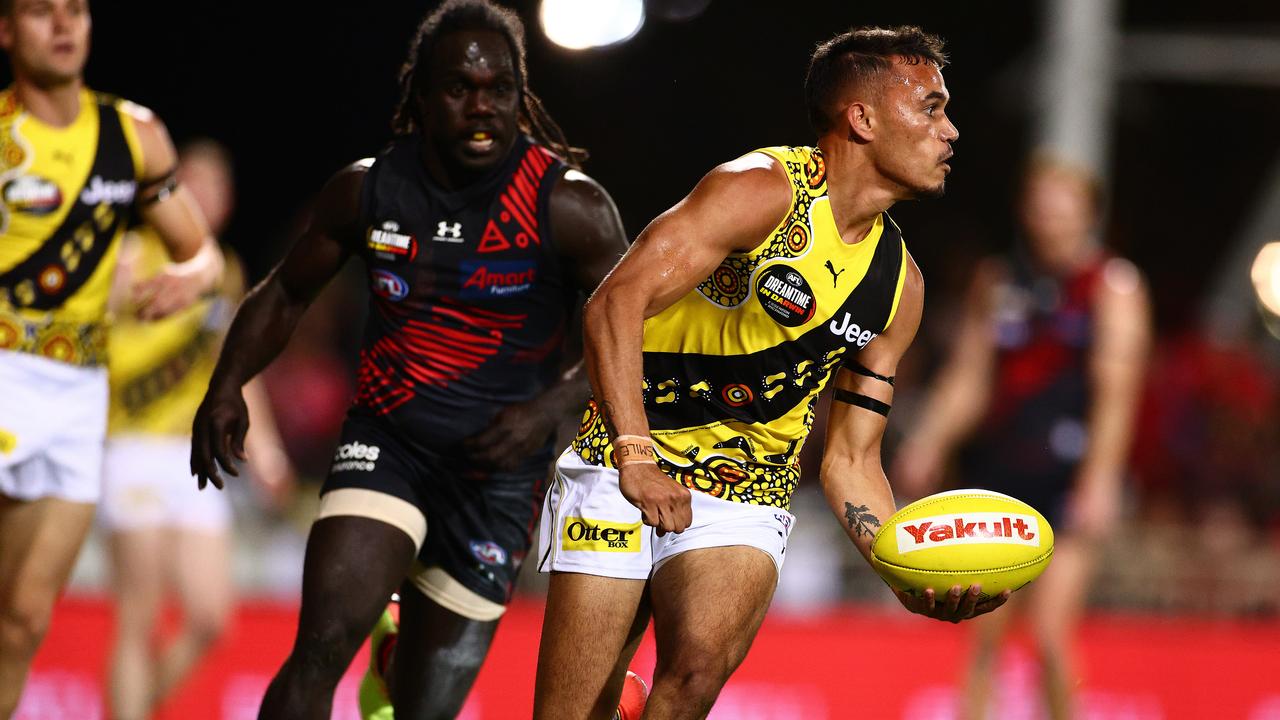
{"x":834,"y":275}
{"x":448,"y":232}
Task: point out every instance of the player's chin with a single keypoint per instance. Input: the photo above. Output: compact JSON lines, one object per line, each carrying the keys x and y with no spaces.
{"x":928,"y":192}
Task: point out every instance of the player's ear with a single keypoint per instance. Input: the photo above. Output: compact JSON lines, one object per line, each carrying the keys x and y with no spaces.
{"x":860,"y":119}
{"x":6,"y":34}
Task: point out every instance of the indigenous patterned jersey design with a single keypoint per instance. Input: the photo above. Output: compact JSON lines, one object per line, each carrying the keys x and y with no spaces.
{"x":65,"y":195}
{"x":468,"y":307}
{"x":732,"y":370}
{"x":159,"y":371}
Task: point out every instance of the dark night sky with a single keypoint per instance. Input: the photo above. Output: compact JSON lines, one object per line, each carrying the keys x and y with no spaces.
{"x":298,"y":94}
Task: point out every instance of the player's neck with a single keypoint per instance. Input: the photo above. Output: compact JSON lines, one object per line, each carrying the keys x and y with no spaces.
{"x":856,"y":193}
{"x":57,"y":105}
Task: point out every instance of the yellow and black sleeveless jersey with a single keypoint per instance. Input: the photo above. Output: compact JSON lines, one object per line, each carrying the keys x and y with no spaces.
{"x":159,"y":371}
{"x":732,"y":371}
{"x":66,"y":194}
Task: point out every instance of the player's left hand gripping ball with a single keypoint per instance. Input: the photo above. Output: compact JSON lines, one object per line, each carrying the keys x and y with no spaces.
{"x":965,"y":538}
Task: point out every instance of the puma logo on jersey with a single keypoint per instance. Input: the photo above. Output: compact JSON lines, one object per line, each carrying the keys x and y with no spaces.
{"x":851,"y":331}
{"x":835,"y":276}
{"x":448,"y":232}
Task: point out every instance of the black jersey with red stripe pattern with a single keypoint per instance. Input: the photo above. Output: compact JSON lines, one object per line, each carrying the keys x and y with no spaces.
{"x":468,"y":303}
{"x":1035,"y":434}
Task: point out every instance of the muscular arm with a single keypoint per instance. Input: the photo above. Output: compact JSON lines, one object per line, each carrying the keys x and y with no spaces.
{"x":732,"y":209}
{"x":959,"y":396}
{"x":853,"y":479}
{"x":267,"y":319}
{"x":1117,"y":366}
{"x":197,"y":262}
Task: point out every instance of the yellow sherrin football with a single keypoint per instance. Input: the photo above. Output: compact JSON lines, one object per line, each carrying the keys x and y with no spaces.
{"x":963,"y":537}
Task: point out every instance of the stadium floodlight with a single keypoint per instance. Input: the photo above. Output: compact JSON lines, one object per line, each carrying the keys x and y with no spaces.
{"x":1266,"y":277}
{"x":581,"y":24}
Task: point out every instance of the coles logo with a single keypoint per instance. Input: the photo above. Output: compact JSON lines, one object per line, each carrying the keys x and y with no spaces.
{"x":32,"y":194}
{"x":489,"y":552}
{"x":851,"y":331}
{"x":355,"y":456}
{"x":785,"y":295}
{"x":497,"y":278}
{"x":600,"y":535}
{"x":388,"y":285}
{"x":976,"y":528}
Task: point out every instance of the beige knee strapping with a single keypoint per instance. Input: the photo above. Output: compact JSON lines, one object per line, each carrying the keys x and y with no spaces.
{"x":378,"y":506}
{"x":452,"y":595}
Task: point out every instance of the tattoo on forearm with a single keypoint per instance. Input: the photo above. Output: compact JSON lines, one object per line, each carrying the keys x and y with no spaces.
{"x":860,"y":520}
{"x":606,"y":409}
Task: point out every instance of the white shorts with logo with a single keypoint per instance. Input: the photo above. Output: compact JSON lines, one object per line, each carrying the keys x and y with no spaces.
{"x":147,"y":483}
{"x":53,"y":418}
{"x":589,"y":527}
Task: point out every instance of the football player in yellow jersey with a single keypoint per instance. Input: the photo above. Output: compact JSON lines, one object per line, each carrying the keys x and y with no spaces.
{"x":73,"y":165}
{"x":160,"y":534}
{"x":706,"y":348}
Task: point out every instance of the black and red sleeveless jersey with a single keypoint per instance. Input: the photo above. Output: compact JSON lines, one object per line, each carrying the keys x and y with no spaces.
{"x":468,"y":303}
{"x":1035,"y":433}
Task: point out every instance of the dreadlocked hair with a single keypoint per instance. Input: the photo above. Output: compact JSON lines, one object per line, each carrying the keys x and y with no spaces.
{"x":458,"y":15}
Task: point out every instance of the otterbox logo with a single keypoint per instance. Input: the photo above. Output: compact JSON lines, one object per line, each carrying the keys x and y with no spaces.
{"x":600,"y":535}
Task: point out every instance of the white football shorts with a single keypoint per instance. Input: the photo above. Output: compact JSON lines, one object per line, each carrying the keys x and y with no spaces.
{"x":589,"y":527}
{"x":147,"y":483}
{"x":53,"y":419}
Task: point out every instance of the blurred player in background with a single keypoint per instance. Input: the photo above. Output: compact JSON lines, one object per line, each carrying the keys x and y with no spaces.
{"x":74,"y":165}
{"x":479,"y":238}
{"x":707,"y":348}
{"x":1045,"y":374}
{"x":163,"y":535}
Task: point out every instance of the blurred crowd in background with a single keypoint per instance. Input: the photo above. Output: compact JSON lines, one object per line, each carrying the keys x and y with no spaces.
{"x":1201,"y":501}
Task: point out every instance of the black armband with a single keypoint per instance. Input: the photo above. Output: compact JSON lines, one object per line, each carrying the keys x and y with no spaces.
{"x":159,"y":189}
{"x":863,"y":371}
{"x":862,"y":401}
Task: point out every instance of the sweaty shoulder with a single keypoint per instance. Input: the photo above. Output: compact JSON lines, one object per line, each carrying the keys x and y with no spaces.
{"x":336,"y":210}
{"x":156,"y":156}
{"x":752,"y":190}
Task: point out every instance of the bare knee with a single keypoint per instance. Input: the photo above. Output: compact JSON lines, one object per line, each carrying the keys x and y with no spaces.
{"x":696,"y":678}
{"x":22,"y":628}
{"x":204,"y":625}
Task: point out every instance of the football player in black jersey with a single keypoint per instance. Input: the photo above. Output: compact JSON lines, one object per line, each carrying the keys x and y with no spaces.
{"x":479,"y":235}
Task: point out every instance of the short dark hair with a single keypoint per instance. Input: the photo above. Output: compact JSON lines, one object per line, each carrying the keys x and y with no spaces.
{"x":457,"y":16}
{"x":858,"y":55}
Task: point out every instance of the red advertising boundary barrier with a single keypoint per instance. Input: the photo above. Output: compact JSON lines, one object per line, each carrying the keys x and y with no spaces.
{"x":871,"y":663}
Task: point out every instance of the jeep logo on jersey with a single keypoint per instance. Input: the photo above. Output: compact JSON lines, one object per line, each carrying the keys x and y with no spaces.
{"x":388,"y":285}
{"x":448,"y":232}
{"x":32,"y":194}
{"x":387,"y":242}
{"x":355,"y":456}
{"x":585,"y":534}
{"x":113,"y":192}
{"x":497,"y":278}
{"x":968,"y":529}
{"x":851,"y":331}
{"x":785,"y":295}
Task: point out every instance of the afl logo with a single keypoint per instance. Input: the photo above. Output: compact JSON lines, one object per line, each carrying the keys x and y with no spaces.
{"x":389,"y":286}
{"x":785,"y":295}
{"x":32,"y":194}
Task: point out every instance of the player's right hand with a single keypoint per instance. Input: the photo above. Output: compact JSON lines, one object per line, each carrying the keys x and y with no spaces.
{"x":955,"y":605}
{"x":664,"y":504}
{"x":217,"y":436}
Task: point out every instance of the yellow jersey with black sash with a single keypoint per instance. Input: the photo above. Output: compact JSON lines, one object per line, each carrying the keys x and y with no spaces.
{"x":65,"y":196}
{"x":158,"y":371}
{"x":732,"y":371}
